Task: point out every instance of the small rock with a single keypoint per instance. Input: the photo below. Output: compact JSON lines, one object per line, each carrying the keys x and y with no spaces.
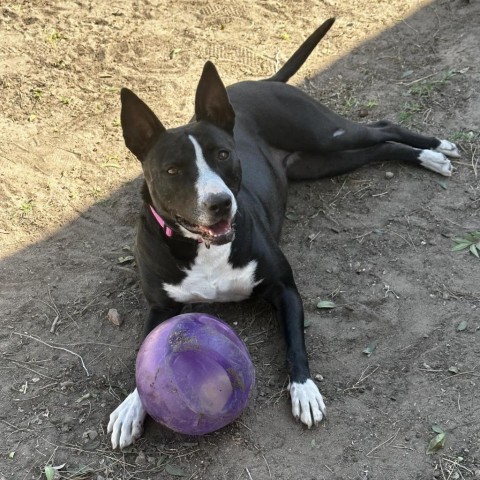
{"x":319,"y":378}
{"x":363,"y":112}
{"x":389,"y":175}
{"x":90,"y":434}
{"x":436,"y":474}
{"x":141,"y":459}
{"x":114,"y":317}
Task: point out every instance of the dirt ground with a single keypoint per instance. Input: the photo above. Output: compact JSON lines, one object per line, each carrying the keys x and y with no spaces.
{"x":378,"y":247}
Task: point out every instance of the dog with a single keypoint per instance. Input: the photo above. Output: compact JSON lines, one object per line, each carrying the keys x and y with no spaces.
{"x":214,"y":200}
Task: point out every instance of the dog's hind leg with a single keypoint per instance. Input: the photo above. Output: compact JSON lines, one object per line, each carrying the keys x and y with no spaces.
{"x":307,"y":166}
{"x":396,"y":133}
{"x":292,"y":121}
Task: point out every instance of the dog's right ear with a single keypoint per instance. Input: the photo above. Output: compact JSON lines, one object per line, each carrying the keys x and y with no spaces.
{"x":139,"y":124}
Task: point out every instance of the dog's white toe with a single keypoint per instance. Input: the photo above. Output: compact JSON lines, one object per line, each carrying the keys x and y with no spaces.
{"x":448,"y":148}
{"x":126,"y":421}
{"x":307,"y":403}
{"x":435,"y":161}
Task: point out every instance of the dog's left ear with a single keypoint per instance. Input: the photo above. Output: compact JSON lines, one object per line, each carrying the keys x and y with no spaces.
{"x":211,"y":100}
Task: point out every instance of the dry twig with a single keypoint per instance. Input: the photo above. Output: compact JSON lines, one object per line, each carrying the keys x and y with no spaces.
{"x":54,"y":347}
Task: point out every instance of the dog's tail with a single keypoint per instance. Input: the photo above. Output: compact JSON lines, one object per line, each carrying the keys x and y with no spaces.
{"x":298,"y":58}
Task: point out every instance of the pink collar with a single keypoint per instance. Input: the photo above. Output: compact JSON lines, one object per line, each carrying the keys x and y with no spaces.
{"x":161,"y":221}
{"x":166,"y":228}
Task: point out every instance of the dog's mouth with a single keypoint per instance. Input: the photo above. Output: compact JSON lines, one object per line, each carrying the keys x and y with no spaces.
{"x":219,"y":233}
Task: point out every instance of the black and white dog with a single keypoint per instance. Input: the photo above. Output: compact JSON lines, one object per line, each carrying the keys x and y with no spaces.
{"x":214,"y":201}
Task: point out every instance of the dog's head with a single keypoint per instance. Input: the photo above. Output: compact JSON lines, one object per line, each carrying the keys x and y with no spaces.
{"x":192,"y":173}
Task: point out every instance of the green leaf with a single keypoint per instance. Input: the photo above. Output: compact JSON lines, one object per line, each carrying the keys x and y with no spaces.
{"x":49,"y":472}
{"x":437,"y":429}
{"x":325,"y":304}
{"x":306,"y":322}
{"x":292,"y":216}
{"x":472,"y":236}
{"x":126,"y":259}
{"x":460,"y":246}
{"x":473,"y":249}
{"x":174,"y":52}
{"x":462,"y":326}
{"x":173,"y":470}
{"x":370,"y":349}
{"x":459,"y":240}
{"x":443,"y":184}
{"x":436,"y":443}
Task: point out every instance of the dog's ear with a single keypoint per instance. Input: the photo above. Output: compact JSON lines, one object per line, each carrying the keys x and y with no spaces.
{"x":211,"y":100}
{"x":139,"y":124}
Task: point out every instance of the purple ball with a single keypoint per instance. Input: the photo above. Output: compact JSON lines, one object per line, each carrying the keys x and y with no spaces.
{"x":194,"y":374}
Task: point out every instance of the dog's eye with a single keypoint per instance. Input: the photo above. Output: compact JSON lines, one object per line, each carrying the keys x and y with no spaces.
{"x":173,"y":171}
{"x":223,"y":155}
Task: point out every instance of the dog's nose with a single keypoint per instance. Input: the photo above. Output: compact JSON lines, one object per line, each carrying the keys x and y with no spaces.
{"x":218,"y":203}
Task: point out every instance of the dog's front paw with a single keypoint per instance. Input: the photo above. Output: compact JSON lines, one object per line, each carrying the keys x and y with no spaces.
{"x":448,"y":148}
{"x":307,"y":402}
{"x":126,"y":421}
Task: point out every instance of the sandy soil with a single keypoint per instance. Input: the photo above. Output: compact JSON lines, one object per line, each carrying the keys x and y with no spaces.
{"x":379,"y":247}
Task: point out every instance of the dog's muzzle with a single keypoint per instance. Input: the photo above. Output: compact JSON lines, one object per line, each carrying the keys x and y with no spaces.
{"x":218,"y":233}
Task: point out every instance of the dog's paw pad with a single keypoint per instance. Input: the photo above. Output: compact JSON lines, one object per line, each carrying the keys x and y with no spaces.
{"x":307,"y":403}
{"x":448,"y":148}
{"x":436,"y":162}
{"x":126,"y":421}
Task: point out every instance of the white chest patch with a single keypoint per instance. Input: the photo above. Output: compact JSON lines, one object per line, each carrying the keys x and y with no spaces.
{"x":213,"y":279}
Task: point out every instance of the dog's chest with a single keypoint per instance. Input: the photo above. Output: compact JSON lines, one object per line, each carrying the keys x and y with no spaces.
{"x":213,"y":279}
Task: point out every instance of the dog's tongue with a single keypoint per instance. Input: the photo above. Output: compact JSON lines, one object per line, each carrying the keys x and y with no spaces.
{"x":220,"y":228}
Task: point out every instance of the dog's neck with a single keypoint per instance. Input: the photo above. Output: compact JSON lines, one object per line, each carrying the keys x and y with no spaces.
{"x":168,"y":231}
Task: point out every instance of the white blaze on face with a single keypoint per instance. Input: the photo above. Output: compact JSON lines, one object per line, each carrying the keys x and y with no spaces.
{"x":208,"y":183}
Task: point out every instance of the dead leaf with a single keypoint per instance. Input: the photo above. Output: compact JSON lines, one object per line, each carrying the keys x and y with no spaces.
{"x":173,"y":470}
{"x":114,"y":317}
